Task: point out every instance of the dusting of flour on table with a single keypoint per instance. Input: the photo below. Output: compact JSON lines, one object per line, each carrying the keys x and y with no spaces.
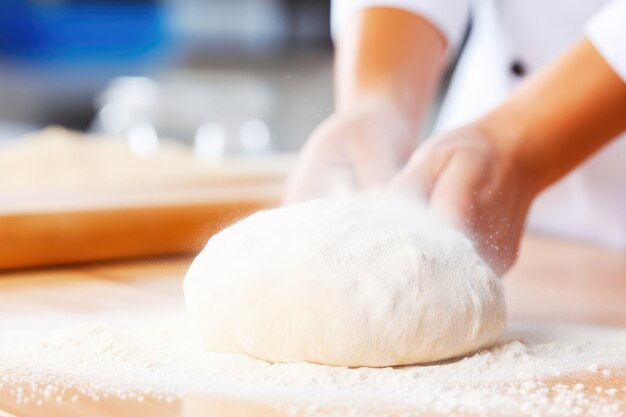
{"x":152,"y":353}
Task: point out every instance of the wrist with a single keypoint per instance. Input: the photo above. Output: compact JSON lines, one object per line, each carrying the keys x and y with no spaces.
{"x":511,"y":137}
{"x":383,"y":101}
{"x":560,"y":116}
{"x":381,"y":111}
{"x":372,"y":102}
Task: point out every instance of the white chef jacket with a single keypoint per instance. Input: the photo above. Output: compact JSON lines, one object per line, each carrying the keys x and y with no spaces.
{"x":508,"y":39}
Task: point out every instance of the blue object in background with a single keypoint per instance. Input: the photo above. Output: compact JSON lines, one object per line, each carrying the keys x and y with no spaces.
{"x":113,"y":32}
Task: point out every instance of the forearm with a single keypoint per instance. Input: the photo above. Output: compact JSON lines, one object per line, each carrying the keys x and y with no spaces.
{"x":561,"y":115}
{"x":390,"y":56}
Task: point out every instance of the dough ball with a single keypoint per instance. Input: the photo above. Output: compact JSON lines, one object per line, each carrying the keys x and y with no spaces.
{"x":349,"y":283}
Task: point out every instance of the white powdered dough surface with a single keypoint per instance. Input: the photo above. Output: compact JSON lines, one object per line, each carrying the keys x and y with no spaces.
{"x":350,"y":282}
{"x":152,"y":353}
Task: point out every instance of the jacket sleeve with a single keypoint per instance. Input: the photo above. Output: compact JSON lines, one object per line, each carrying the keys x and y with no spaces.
{"x":449,"y":16}
{"x":607,"y":32}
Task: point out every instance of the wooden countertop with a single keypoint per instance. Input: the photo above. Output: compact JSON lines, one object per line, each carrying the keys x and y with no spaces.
{"x":554,"y":280}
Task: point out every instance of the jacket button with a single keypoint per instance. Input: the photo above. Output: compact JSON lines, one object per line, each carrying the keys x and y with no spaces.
{"x":518,"y":68}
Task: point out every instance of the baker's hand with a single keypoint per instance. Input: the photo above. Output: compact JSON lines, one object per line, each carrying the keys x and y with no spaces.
{"x":363,"y":148}
{"x":474,"y":182}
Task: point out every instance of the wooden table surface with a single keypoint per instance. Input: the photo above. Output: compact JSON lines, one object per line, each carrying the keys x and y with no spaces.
{"x":554,"y":280}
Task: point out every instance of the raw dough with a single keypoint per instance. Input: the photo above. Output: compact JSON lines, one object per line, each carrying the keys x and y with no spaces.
{"x":349,"y":282}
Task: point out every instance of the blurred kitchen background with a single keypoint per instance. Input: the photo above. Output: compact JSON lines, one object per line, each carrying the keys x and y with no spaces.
{"x":239,"y":76}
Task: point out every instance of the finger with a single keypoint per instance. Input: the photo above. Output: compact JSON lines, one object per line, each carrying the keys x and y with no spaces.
{"x":456,"y":201}
{"x":451,"y":197}
{"x":419,"y":175}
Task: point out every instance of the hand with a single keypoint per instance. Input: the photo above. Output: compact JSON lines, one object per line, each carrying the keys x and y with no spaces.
{"x":363,"y":148}
{"x":388,"y":63}
{"x":483,"y":177}
{"x":473,"y":181}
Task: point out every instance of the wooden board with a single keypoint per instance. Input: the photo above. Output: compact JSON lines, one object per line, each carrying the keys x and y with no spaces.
{"x":553,"y":280}
{"x":123,"y":225}
{"x":67,"y":198}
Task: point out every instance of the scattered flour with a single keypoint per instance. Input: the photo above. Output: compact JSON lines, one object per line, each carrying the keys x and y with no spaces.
{"x":152,"y":355}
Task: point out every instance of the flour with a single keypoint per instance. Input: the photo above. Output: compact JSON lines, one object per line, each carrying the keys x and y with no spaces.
{"x":153,"y":355}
